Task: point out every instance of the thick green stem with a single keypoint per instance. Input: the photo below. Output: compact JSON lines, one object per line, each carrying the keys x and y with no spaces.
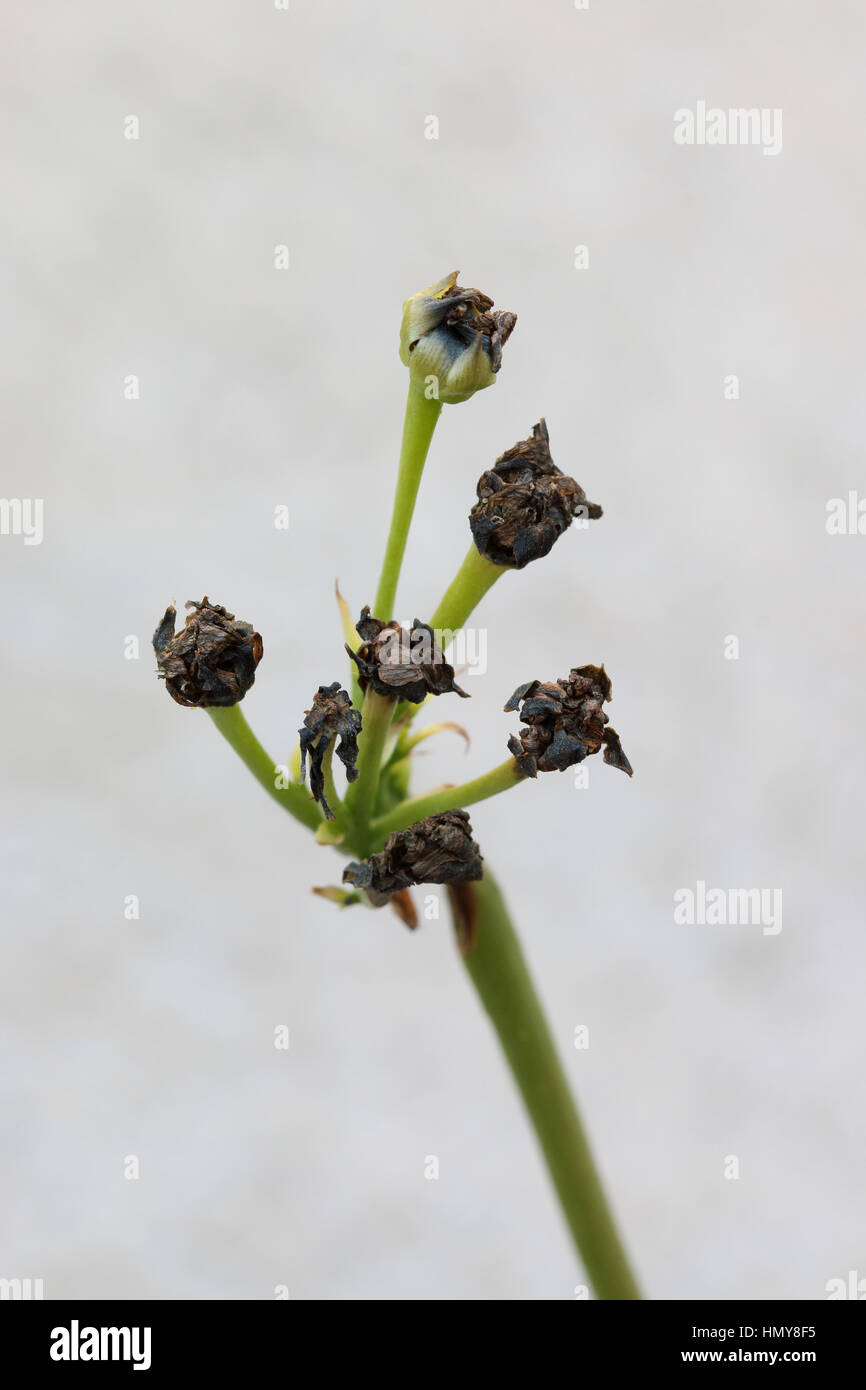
{"x":332,"y":796}
{"x":499,"y":779}
{"x":294,"y":798}
{"x":494,"y":960}
{"x":466,"y":590}
{"x":377,"y":713}
{"x":418,"y":427}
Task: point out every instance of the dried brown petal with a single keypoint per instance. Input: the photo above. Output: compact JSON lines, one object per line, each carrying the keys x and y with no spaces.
{"x":438,"y":849}
{"x":565,"y":723}
{"x":402,"y":664}
{"x":464,"y":910}
{"x":525,"y":503}
{"x":211,"y":661}
{"x":332,"y":716}
{"x":401,"y":903}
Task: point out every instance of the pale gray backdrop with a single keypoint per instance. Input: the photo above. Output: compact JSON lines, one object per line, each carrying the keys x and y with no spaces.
{"x":258,"y":387}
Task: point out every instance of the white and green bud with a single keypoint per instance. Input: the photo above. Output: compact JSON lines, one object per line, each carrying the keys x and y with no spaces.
{"x":451,"y":341}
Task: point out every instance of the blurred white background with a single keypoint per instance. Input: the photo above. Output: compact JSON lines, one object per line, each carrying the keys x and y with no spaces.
{"x":258,"y":387}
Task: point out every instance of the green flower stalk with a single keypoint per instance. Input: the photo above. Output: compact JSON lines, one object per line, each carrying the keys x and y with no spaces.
{"x":451,"y":342}
{"x":377,"y":714}
{"x":422,"y":414}
{"x":499,"y":779}
{"x":240,"y":737}
{"x":496,"y":966}
{"x":475,"y":576}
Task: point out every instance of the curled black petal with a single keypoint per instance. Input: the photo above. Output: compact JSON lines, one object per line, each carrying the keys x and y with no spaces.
{"x":438,"y":849}
{"x":331,"y":716}
{"x":400,"y":663}
{"x":525,"y":503}
{"x":211,"y":661}
{"x":565,"y":723}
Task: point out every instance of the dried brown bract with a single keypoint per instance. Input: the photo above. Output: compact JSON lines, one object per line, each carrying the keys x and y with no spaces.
{"x":332,"y":716}
{"x":439,"y":849}
{"x":566,"y":723}
{"x":525,"y":503}
{"x":402,"y":664}
{"x":211,"y":661}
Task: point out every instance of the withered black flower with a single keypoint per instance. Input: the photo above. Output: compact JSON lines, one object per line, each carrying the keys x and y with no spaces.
{"x":331,"y":716}
{"x":566,"y":723}
{"x":525,"y":503}
{"x":211,"y":661}
{"x":438,"y":849}
{"x":402,"y":664}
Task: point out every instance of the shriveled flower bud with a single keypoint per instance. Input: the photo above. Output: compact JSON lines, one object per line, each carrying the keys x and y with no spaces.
{"x":211,"y":661}
{"x":438,"y":849}
{"x":332,"y":716}
{"x":402,"y":664}
{"x":525,"y":503}
{"x":453,"y":334}
{"x":566,"y":723}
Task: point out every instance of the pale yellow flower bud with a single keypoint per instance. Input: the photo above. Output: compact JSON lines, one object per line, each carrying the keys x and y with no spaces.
{"x":451,"y":340}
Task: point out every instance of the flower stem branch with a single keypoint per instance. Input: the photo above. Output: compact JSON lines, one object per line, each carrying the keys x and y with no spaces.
{"x":376,"y":715}
{"x":475,"y":576}
{"x":419,"y":424}
{"x":332,"y":796}
{"x":236,"y":731}
{"x":496,"y":966}
{"x":499,"y":779}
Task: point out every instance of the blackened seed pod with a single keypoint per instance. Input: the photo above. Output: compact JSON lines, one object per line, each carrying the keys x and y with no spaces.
{"x":565,"y":723}
{"x":212,"y":660}
{"x":525,"y":503}
{"x":438,"y":849}
{"x":331,"y":716}
{"x":402,"y":664}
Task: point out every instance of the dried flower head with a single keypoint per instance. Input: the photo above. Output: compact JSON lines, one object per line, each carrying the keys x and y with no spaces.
{"x":401,"y":663}
{"x":566,"y":723}
{"x":332,"y":716}
{"x":525,"y":503}
{"x":454,"y":335}
{"x":439,"y":849}
{"x":211,"y":661}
